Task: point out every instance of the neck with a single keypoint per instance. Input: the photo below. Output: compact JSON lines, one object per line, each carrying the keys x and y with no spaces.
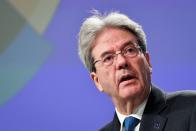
{"x":127,"y":106}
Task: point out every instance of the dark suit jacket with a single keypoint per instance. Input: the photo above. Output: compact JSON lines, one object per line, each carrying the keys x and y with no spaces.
{"x":165,"y":112}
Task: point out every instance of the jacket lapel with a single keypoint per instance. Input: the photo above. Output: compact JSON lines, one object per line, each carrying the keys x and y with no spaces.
{"x":152,"y":123}
{"x":115,"y":123}
{"x":151,"y":119}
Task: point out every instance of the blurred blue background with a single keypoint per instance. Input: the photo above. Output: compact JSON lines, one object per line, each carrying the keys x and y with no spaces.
{"x":43,"y":84}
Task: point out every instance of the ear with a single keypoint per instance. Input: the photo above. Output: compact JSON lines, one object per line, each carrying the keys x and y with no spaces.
{"x":96,"y":81}
{"x":147,"y":55}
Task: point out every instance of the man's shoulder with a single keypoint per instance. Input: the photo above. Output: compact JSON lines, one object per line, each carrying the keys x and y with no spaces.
{"x":114,"y":125}
{"x":107,"y":127}
{"x":177,"y":101}
{"x":184,"y":97}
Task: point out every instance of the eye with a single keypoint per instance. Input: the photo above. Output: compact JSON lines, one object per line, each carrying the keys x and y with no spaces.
{"x":129,"y":50}
{"x":108,"y":58}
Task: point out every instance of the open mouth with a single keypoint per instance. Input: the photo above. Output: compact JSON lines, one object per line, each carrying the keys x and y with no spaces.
{"x":125,"y":78}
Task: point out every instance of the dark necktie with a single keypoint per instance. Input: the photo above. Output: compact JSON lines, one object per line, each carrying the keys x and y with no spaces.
{"x":130,"y":123}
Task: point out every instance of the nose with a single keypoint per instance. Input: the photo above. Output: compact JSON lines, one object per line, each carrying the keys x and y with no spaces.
{"x":121,"y":62}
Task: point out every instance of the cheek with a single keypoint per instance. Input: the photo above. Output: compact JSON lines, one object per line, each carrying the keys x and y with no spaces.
{"x":144,"y":73}
{"x":107,"y":80}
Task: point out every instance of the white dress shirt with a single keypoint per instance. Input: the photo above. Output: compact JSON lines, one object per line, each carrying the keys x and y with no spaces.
{"x":137,"y":113}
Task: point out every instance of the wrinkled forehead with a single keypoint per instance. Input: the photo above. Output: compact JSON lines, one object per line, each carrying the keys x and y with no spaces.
{"x":112,"y":39}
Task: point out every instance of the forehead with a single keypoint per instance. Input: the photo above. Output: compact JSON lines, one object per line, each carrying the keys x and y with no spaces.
{"x":111,"y":39}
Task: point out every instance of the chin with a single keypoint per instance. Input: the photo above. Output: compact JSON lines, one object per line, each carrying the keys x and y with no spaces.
{"x":129,"y":94}
{"x":132,"y":91}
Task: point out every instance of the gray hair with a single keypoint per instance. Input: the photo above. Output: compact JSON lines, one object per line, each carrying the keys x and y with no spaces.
{"x":96,"y":23}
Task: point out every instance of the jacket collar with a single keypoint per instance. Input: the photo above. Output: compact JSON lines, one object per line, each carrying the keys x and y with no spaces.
{"x":151,"y":119}
{"x":115,"y":123}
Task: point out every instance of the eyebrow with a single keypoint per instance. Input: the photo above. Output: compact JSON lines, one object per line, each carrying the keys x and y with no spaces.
{"x":105,"y":53}
{"x":129,"y":43}
{"x":123,"y":46}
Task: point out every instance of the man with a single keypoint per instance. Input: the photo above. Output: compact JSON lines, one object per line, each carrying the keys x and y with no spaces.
{"x":113,"y":48}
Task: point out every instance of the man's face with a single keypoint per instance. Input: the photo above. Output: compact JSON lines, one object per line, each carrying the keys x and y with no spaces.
{"x":127,"y":77}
